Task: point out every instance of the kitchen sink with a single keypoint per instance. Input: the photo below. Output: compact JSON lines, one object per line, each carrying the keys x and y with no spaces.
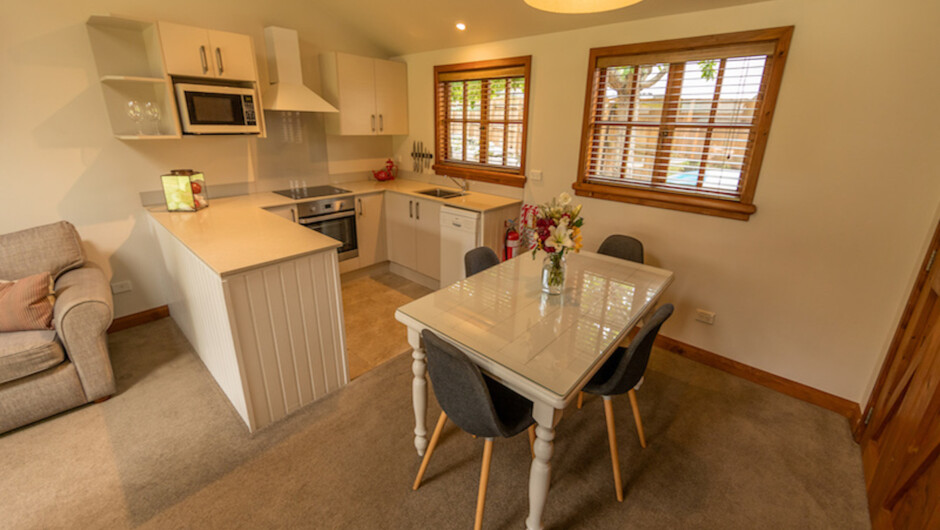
{"x":441,"y":193}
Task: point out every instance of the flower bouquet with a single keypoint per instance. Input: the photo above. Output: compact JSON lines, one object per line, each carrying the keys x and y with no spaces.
{"x":558,"y":230}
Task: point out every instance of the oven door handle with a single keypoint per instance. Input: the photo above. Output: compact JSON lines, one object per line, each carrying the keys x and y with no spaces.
{"x":316,"y":219}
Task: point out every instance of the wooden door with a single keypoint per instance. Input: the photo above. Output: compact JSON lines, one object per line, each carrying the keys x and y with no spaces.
{"x":233,"y":56}
{"x":391,"y":96}
{"x":400,"y":228}
{"x":901,"y":444}
{"x":186,"y":50}
{"x":356,"y":83}
{"x":428,"y":238}
{"x":370,"y":229}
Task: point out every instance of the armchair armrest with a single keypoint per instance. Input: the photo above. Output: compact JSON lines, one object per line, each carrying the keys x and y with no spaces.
{"x":82,"y":313}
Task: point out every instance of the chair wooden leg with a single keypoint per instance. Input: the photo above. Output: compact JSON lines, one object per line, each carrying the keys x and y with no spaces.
{"x":636,"y":417}
{"x":580,"y":399}
{"x":612,"y":438}
{"x":431,"y":446}
{"x":484,"y":479}
{"x":532,"y":439}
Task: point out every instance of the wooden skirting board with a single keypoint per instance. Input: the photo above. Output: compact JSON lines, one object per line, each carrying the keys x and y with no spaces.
{"x":137,"y":319}
{"x":800,"y":391}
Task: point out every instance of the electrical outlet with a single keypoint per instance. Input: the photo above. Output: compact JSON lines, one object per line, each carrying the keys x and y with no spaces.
{"x":707,"y":317}
{"x":121,"y":287}
{"x":535,"y":175}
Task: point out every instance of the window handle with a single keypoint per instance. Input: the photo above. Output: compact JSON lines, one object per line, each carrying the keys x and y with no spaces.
{"x":218,"y":55}
{"x":202,"y":57}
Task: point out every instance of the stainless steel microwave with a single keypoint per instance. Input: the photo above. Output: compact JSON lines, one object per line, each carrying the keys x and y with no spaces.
{"x":211,"y":109}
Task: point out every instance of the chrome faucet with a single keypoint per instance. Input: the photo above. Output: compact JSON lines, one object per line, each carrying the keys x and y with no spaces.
{"x":464,"y":187}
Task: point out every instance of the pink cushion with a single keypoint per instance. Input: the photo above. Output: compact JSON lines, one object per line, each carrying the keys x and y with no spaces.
{"x":26,"y":304}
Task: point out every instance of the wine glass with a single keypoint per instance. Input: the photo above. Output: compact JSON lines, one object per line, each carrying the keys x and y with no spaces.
{"x":152,"y":113}
{"x":135,"y":113}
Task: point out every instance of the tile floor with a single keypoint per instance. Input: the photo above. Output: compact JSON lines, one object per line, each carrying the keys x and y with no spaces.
{"x":373,"y":336}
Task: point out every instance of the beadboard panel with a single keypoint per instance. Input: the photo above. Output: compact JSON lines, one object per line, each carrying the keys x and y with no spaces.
{"x":288,"y":325}
{"x":197,"y":305}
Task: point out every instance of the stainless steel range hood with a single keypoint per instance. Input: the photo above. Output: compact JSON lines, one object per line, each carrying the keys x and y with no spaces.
{"x":287,"y":90}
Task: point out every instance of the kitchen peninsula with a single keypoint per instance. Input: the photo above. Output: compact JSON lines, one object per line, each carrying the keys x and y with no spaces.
{"x":258,"y":294}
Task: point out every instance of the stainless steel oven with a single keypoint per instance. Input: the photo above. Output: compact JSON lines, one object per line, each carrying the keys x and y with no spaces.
{"x":335,"y":218}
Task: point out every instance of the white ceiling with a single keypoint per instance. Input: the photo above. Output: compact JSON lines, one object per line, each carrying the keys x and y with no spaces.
{"x":409,"y":26}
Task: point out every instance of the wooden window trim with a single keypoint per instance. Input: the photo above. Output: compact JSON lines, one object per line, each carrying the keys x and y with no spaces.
{"x":676,"y":200}
{"x":509,"y":177}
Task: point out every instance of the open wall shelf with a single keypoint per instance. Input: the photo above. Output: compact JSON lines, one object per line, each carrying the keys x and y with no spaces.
{"x":130,"y":66}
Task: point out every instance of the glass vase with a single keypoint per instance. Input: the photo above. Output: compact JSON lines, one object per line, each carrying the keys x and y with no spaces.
{"x":553,"y":273}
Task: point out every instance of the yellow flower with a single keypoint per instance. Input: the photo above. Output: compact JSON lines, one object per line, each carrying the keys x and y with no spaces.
{"x":576,"y":237}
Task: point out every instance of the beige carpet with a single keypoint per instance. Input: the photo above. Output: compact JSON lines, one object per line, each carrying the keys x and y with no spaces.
{"x":169,"y":452}
{"x":373,"y":336}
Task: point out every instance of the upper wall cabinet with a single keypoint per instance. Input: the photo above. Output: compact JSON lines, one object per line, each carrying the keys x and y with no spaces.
{"x":371,"y":94}
{"x":199,"y":52}
{"x":130,"y":68}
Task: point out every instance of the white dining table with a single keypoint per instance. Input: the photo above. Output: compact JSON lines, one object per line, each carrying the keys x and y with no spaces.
{"x":544,"y":347}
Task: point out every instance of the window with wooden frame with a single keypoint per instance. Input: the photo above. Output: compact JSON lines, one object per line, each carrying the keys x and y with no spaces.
{"x":681,"y":124}
{"x":481,"y":111}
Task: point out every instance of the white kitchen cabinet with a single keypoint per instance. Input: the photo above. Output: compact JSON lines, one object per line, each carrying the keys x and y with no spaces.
{"x":428,"y":238}
{"x":200,"y":52}
{"x":288,"y":212}
{"x":371,"y":94}
{"x":391,"y":97}
{"x":370,"y":229}
{"x":400,"y":229}
{"x":414,"y":233}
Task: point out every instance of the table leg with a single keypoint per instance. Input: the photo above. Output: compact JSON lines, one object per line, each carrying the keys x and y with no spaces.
{"x":547,"y":417}
{"x":419,"y":391}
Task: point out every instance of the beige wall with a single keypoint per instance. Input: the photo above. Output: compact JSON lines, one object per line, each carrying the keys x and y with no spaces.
{"x":59,"y":160}
{"x":812,"y":286}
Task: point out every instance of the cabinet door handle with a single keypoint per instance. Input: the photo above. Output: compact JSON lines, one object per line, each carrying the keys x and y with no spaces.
{"x":373,"y":123}
{"x":218,"y":55}
{"x":359,"y":201}
{"x":410,"y":214}
{"x":417,"y":210}
{"x":202,"y":57}
{"x":381,"y":123}
{"x":293,"y":215}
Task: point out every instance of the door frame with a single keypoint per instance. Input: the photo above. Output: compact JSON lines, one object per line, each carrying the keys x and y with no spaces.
{"x":929,"y":261}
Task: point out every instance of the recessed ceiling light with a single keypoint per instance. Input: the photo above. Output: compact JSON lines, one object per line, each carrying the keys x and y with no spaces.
{"x":580,"y":6}
{"x":461,"y":26}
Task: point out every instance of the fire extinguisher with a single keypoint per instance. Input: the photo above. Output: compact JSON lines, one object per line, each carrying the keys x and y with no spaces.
{"x":512,"y":240}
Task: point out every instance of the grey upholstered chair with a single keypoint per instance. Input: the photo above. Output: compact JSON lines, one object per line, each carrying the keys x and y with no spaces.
{"x":479,"y":259}
{"x":477,"y":404}
{"x":623,"y":247}
{"x":619,"y":375}
{"x":44,"y":372}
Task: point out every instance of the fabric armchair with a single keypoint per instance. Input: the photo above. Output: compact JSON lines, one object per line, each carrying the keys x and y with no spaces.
{"x":45,"y":372}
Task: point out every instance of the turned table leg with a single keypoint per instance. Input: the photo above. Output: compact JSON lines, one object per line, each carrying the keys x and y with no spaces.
{"x":419,"y":391}
{"x":547,"y":417}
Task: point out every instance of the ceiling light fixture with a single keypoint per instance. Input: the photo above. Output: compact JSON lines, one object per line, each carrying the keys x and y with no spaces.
{"x":580,"y":6}
{"x":461,"y":26}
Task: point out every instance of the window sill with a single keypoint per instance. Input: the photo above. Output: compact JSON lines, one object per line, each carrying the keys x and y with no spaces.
{"x":483,"y":175}
{"x":670,"y":201}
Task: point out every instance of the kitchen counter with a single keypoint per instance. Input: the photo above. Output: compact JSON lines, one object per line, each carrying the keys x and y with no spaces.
{"x":478,"y":202}
{"x":235,"y":234}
